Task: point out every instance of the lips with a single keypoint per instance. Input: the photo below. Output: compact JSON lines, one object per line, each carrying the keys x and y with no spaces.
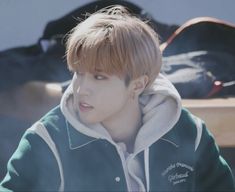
{"x":85,"y":107}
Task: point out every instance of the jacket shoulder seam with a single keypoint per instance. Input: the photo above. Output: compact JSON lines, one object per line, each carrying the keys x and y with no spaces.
{"x":41,"y":131}
{"x":199,"y":125}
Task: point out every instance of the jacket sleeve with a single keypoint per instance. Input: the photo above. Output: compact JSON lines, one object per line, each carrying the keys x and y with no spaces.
{"x":212,"y":173}
{"x":32,"y":167}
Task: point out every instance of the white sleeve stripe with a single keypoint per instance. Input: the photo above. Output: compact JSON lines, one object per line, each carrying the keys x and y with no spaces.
{"x":43,"y":133}
{"x":146,"y":166}
{"x":199,"y":131}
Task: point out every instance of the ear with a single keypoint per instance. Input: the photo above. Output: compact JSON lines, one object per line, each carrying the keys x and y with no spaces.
{"x":139,"y":84}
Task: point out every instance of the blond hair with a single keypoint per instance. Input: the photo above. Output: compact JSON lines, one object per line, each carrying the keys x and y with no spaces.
{"x":115,"y":42}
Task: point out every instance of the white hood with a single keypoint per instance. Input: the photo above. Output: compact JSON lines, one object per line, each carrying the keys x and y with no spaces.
{"x":161,"y":107}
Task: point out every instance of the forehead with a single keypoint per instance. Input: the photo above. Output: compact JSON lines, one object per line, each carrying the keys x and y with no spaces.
{"x":87,"y":70}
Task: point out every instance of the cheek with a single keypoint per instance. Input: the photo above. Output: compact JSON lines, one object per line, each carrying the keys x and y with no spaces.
{"x":112,"y":101}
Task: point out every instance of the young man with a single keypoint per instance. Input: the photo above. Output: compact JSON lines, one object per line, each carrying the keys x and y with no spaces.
{"x":120,"y":125}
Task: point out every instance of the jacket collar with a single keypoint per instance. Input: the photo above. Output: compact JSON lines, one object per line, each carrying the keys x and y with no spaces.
{"x":171,"y":137}
{"x":77,"y":139}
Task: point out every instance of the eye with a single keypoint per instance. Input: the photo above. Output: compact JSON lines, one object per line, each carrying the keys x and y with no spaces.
{"x":100,"y":77}
{"x":79,"y":73}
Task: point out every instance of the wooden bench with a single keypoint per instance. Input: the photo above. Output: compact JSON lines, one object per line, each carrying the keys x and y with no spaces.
{"x":219,"y":116}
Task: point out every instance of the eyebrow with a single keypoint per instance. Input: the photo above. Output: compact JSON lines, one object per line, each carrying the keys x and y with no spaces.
{"x":99,"y":70}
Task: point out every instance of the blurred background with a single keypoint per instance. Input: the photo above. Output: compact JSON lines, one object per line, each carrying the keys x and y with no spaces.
{"x":22,"y":22}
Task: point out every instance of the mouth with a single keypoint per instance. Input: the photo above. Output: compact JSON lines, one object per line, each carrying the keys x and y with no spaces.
{"x":85,"y":107}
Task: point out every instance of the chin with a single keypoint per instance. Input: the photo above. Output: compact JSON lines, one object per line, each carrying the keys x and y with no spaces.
{"x":88,"y":121}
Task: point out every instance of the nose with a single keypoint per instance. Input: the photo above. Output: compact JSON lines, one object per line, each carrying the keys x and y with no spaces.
{"x":84,"y":86}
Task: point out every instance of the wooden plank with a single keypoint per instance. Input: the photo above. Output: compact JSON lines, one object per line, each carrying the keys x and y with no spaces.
{"x":219,"y":116}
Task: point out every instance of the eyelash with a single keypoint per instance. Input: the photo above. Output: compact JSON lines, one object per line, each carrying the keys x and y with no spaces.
{"x":79,"y":73}
{"x":96,"y":76}
{"x":99,"y":77}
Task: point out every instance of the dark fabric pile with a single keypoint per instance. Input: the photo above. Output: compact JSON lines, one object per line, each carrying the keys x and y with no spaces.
{"x":199,"y":59}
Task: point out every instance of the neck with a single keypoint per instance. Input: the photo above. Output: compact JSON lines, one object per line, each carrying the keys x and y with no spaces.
{"x":125,"y":126}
